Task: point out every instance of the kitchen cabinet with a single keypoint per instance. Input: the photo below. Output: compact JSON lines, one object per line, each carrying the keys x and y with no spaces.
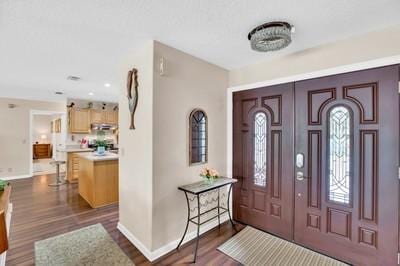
{"x":103,"y":116}
{"x":79,"y":120}
{"x":41,"y":151}
{"x":98,"y":179}
{"x":112,"y":117}
{"x":97,"y":116}
{"x":73,"y":167}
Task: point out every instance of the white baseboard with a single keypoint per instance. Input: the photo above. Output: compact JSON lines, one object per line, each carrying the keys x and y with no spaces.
{"x":15,"y":177}
{"x":153,"y":255}
{"x":136,"y":242}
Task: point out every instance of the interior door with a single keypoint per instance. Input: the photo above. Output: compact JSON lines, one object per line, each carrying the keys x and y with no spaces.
{"x":346,"y":192}
{"x":263,"y":158}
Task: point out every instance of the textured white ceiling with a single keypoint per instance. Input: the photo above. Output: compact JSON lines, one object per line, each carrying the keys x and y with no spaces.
{"x":44,"y":41}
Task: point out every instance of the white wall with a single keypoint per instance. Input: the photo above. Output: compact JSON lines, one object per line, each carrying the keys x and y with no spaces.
{"x":15,"y":157}
{"x":357,"y":49}
{"x":136,"y":150}
{"x":187,"y":84}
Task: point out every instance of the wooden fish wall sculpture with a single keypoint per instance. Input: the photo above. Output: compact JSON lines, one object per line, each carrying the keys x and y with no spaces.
{"x":133,"y":95}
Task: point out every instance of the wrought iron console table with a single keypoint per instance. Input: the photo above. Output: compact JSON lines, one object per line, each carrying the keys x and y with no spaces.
{"x":199,"y":189}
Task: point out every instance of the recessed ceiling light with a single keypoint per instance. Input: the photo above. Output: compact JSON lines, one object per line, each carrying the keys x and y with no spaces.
{"x":59,"y":92}
{"x":91,"y":93}
{"x":73,"y":78}
{"x":107,"y":85}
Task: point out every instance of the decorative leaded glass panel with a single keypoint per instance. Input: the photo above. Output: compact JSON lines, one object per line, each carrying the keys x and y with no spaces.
{"x":198,"y":137}
{"x":339,"y":155}
{"x":260,"y":149}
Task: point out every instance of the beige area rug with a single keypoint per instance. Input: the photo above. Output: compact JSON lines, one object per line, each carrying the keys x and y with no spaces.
{"x":87,"y":246}
{"x":254,"y":247}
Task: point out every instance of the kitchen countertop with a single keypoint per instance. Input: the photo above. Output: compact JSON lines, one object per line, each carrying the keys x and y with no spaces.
{"x":74,"y":149}
{"x":109,"y":156}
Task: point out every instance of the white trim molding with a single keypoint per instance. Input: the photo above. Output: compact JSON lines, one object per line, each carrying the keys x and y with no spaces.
{"x":386,"y":61}
{"x":15,"y":177}
{"x":158,"y":253}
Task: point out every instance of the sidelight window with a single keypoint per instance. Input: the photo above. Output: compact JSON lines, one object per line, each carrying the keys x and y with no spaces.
{"x":339,"y":155}
{"x":260,"y":149}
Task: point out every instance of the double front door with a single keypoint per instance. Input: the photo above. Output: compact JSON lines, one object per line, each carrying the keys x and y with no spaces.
{"x":317,"y":163}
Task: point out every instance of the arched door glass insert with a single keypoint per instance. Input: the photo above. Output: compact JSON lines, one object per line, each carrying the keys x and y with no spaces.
{"x":260,"y":149}
{"x":339,"y":155}
{"x":198,"y":137}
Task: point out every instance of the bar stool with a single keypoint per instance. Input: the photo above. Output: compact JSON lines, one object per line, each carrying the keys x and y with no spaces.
{"x":58,"y":181}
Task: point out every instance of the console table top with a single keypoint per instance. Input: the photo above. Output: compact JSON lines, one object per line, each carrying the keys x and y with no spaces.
{"x":201,"y":186}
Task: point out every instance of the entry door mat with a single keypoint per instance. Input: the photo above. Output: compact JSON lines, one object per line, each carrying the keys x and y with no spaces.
{"x":254,"y":247}
{"x":87,"y":246}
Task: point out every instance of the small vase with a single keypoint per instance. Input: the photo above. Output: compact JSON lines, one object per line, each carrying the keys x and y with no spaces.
{"x":209,"y":180}
{"x":101,"y":149}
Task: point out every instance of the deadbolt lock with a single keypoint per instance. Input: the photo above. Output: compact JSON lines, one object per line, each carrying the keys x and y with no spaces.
{"x":300,"y":176}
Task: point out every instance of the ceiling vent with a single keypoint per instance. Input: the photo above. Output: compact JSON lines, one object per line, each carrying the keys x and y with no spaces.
{"x":74,"y":78}
{"x":271,"y":36}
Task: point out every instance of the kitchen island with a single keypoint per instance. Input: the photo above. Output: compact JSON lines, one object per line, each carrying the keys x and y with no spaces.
{"x":71,"y":155}
{"x":98,"y":178}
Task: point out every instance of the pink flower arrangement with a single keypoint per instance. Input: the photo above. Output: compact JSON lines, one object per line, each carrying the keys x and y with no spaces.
{"x":209,"y":173}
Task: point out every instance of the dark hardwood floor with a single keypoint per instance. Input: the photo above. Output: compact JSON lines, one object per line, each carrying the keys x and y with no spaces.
{"x":40,"y":212}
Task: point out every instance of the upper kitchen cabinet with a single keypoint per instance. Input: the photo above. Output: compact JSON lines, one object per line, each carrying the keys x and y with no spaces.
{"x":79,"y":120}
{"x":97,"y":116}
{"x":103,"y":117}
{"x":111,"y":117}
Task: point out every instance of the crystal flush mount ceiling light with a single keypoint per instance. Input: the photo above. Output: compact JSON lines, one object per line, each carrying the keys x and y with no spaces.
{"x":271,"y":36}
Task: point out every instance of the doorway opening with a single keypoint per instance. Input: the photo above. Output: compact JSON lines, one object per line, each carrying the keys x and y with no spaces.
{"x":47,"y":138}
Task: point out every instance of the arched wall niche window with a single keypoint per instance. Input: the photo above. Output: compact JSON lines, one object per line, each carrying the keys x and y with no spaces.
{"x":198,"y":137}
{"x":340,"y":154}
{"x":260,"y":149}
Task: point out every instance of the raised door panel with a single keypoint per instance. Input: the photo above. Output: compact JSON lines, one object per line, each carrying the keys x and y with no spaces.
{"x":111,"y":117}
{"x":79,"y":121}
{"x":97,"y":116}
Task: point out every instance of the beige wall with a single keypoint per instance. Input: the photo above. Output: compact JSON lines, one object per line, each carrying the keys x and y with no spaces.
{"x":187,"y":84}
{"x":136,"y":150}
{"x":154,"y":157}
{"x":41,"y":126}
{"x":14,"y":135}
{"x":358,"y":49}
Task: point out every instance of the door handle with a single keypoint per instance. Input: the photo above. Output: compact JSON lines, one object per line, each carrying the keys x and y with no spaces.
{"x":300,"y":176}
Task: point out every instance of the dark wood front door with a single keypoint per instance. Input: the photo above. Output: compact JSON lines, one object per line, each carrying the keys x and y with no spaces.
{"x":346,"y":193}
{"x":263,"y":158}
{"x":325,"y":174}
